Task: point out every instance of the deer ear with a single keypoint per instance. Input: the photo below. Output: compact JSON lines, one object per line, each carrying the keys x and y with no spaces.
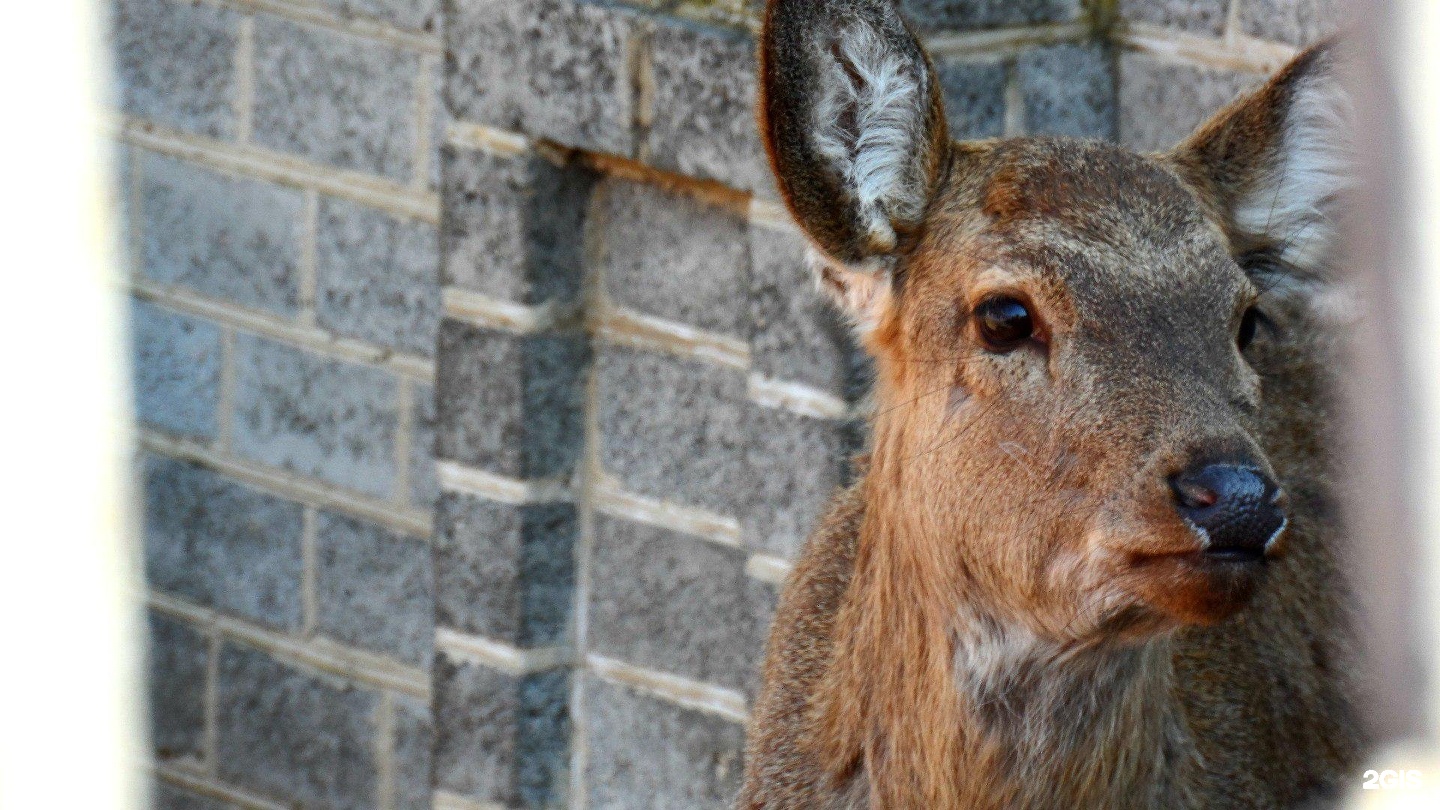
{"x":1274,"y":163}
{"x":852,"y":118}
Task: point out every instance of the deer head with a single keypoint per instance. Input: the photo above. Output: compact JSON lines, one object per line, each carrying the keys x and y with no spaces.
{"x":1087,"y":357}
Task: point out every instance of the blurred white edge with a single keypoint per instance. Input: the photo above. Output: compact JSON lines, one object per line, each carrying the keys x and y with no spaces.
{"x":70,"y":688}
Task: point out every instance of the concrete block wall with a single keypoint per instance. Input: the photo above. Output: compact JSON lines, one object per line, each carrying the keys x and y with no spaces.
{"x":485,"y":398}
{"x":280,"y":169}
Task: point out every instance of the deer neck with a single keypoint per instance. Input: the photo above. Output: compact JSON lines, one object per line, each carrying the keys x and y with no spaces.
{"x":937,"y":705}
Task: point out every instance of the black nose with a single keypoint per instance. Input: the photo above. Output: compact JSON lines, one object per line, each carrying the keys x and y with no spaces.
{"x":1237,"y":508}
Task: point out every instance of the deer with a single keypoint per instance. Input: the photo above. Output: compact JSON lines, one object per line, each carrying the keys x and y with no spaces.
{"x":1091,"y":554}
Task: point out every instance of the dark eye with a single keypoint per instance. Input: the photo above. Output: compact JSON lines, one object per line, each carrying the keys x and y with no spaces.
{"x":1249,"y":322}
{"x":1004,"y":323}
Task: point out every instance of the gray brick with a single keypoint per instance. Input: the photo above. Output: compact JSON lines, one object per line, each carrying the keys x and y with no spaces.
{"x":1194,"y":16}
{"x":796,"y":334}
{"x":974,"y":97}
{"x":500,"y":738}
{"x":314,"y":416}
{"x":514,"y":226}
{"x":1068,"y":90}
{"x":672,"y":428}
{"x":793,"y":466}
{"x":703,"y":121}
{"x":740,"y":14}
{"x":222,"y":236}
{"x":549,"y":68}
{"x":646,"y":754}
{"x":675,"y":603}
{"x":378,"y":277}
{"x":174,"y":797}
{"x":510,"y":404}
{"x":424,"y":489}
{"x":334,"y":98}
{"x":671,"y":255}
{"x":1298,"y":22}
{"x":1161,"y":102}
{"x":965,"y":14}
{"x":178,"y":653}
{"x":414,"y":737}
{"x":375,"y":589}
{"x":175,"y":64}
{"x":415,"y":15}
{"x":505,"y":572}
{"x":293,"y":735}
{"x":177,"y":371}
{"x":221,"y":544}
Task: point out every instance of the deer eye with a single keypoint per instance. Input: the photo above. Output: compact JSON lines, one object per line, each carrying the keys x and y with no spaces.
{"x":1004,"y":323}
{"x":1249,"y":323}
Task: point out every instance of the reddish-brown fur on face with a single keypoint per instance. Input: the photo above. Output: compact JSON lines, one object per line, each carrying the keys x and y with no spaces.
{"x":1007,"y":610}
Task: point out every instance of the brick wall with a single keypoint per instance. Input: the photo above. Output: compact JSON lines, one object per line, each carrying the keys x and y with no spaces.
{"x":480,"y":379}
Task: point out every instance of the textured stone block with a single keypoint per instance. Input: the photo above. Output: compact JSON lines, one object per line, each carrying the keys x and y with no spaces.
{"x":173,"y":797}
{"x":1194,"y":16}
{"x":675,"y":603}
{"x":742,"y":14}
{"x":221,"y":544}
{"x":175,"y":63}
{"x":1068,"y":90}
{"x":974,"y":97}
{"x":1298,"y":22}
{"x":673,"y":256}
{"x":964,"y":14}
{"x":505,"y":572}
{"x":510,"y":404}
{"x":645,"y":753}
{"x":334,"y":98}
{"x":378,"y":277}
{"x":501,"y":738}
{"x":793,"y":466}
{"x":178,"y":653}
{"x":1162,"y":102}
{"x":375,"y":589}
{"x":549,"y":68}
{"x":293,"y":735}
{"x":177,"y":371}
{"x":223,"y":236}
{"x":414,"y":15}
{"x":424,"y":489}
{"x":672,"y":428}
{"x":703,"y":109}
{"x":414,"y":736}
{"x":314,"y":416}
{"x":514,"y":226}
{"x":796,"y":333}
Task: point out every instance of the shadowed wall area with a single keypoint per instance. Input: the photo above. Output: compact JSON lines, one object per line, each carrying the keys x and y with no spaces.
{"x":484,"y":395}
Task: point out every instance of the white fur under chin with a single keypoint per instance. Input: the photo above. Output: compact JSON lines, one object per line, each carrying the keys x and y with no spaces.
{"x":879,"y":159}
{"x":1314,"y":166}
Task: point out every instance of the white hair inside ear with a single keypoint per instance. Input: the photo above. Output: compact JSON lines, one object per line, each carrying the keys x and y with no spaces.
{"x":869,"y":125}
{"x":1292,"y":204}
{"x":861,"y":293}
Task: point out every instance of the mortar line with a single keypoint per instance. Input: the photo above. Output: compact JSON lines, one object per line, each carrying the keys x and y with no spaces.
{"x":208,"y":786}
{"x":710,"y":698}
{"x":368,"y":28}
{"x":445,"y":800}
{"x":1014,"y":121}
{"x":309,"y":573}
{"x":1245,"y":54}
{"x":422,"y":118}
{"x":1232,"y":22}
{"x":1005,"y":41}
{"x":225,"y":429}
{"x":249,"y":160}
{"x":135,"y":222}
{"x":244,"y":107}
{"x":485,"y":138}
{"x":385,"y":752}
{"x":309,"y":266}
{"x":478,"y":309}
{"x":625,"y":327}
{"x":210,"y":712}
{"x":274,"y":327}
{"x":500,"y":655}
{"x":323,"y":656}
{"x":404,"y":437}
{"x":410,"y":521}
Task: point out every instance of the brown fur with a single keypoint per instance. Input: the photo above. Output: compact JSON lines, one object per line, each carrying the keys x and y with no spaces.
{"x":1002,"y":612}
